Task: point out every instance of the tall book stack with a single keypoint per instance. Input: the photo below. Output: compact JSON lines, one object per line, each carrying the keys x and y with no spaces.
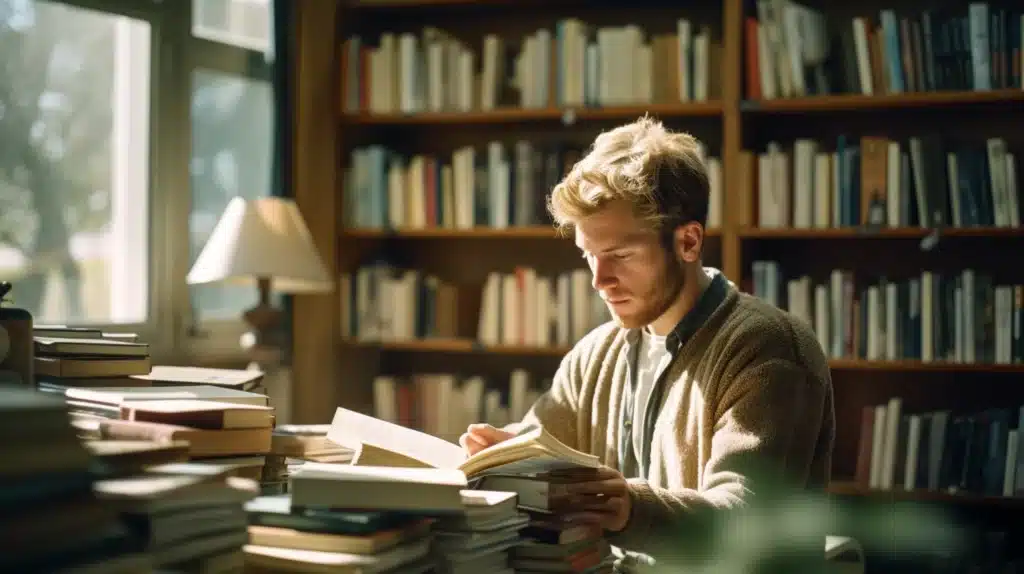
{"x":52,"y":520}
{"x":71,"y":356}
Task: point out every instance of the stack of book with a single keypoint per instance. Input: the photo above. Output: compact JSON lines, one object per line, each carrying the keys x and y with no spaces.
{"x":69,"y":356}
{"x":478,"y":538}
{"x":308,"y":443}
{"x":550,"y":543}
{"x":351,"y":519}
{"x":52,"y":520}
{"x":293,"y":445}
{"x":221,"y":426}
{"x":187,"y":517}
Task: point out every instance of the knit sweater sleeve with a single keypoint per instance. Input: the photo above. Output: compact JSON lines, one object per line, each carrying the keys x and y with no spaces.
{"x":556,"y":408}
{"x":767,"y":422}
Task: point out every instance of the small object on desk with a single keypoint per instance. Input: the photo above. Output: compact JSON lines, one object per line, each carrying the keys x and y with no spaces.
{"x":17,"y":351}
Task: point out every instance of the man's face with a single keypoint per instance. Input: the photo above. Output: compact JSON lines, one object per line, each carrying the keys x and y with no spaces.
{"x":636,"y":276}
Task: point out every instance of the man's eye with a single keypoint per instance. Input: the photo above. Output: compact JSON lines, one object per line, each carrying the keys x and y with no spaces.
{"x":621,"y":256}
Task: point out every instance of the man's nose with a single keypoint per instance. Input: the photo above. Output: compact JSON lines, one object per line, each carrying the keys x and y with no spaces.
{"x":602,"y":276}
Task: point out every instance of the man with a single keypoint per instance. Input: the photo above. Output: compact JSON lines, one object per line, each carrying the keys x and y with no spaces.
{"x":696,"y":397}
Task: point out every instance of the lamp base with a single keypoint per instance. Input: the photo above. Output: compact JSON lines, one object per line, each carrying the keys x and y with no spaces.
{"x":263,"y":341}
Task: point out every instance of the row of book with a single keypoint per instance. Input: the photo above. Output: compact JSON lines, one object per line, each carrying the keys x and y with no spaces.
{"x":963,"y":318}
{"x":382,"y":303}
{"x":445,"y":404}
{"x":499,"y":186}
{"x":866,"y":181}
{"x":574,"y":65}
{"x":790,"y":52}
{"x":970,"y":452}
{"x":876,"y":181}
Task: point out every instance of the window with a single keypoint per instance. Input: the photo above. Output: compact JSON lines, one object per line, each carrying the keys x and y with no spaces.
{"x":74,"y":174}
{"x":125,"y":129}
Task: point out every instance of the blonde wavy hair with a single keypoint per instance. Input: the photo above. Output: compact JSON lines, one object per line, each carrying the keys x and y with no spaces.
{"x":660,"y":173}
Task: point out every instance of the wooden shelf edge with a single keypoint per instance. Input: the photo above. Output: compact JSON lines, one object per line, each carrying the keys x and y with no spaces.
{"x":922,"y":366}
{"x":523,"y":232}
{"x":567,"y":115}
{"x":885,"y":232}
{"x":465,"y":346}
{"x":852,"y":102}
{"x":849,"y":488}
{"x":426,"y":4}
{"x":532,"y":231}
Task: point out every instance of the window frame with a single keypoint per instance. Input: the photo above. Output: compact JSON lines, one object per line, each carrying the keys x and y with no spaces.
{"x":211,"y":341}
{"x":171,"y":329}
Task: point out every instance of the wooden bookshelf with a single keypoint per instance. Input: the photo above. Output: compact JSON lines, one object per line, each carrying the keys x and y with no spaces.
{"x":331,"y":371}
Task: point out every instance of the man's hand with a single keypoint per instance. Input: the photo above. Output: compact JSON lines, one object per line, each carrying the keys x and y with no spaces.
{"x":604,"y":500}
{"x":480,"y":436}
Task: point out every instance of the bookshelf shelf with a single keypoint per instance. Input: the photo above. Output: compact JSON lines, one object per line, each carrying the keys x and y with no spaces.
{"x":847,"y":488}
{"x":531,"y":232}
{"x":465,"y":346}
{"x":922,"y":366}
{"x":388,"y":5}
{"x":528,"y":232}
{"x":855,"y":102}
{"x":892,"y":232}
{"x":538,"y":115}
{"x":462,"y":346}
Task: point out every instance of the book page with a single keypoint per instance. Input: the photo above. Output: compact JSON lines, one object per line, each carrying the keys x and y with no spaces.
{"x":351,"y":429}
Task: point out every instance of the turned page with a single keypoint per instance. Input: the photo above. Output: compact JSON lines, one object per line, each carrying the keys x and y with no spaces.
{"x":381,"y":443}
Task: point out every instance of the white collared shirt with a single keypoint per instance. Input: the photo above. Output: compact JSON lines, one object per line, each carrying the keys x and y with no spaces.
{"x":652,"y":358}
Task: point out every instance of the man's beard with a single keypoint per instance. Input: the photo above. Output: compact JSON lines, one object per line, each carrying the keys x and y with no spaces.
{"x":663,"y":294}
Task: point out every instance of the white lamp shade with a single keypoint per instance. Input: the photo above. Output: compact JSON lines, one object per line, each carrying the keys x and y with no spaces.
{"x":264,"y":238}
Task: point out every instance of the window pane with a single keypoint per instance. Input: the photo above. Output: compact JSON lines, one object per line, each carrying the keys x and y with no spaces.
{"x":232,"y":147}
{"x":242,"y":23}
{"x":74,"y":165}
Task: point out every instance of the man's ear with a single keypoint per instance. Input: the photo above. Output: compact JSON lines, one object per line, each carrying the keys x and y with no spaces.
{"x":688,"y":241}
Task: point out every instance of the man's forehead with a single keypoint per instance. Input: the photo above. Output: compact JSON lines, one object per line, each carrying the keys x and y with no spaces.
{"x":607,"y":238}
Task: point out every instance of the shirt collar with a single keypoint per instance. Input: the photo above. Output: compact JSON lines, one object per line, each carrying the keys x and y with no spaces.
{"x":712,"y":296}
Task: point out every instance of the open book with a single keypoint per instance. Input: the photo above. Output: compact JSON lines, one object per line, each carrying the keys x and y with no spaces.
{"x":380,"y":443}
